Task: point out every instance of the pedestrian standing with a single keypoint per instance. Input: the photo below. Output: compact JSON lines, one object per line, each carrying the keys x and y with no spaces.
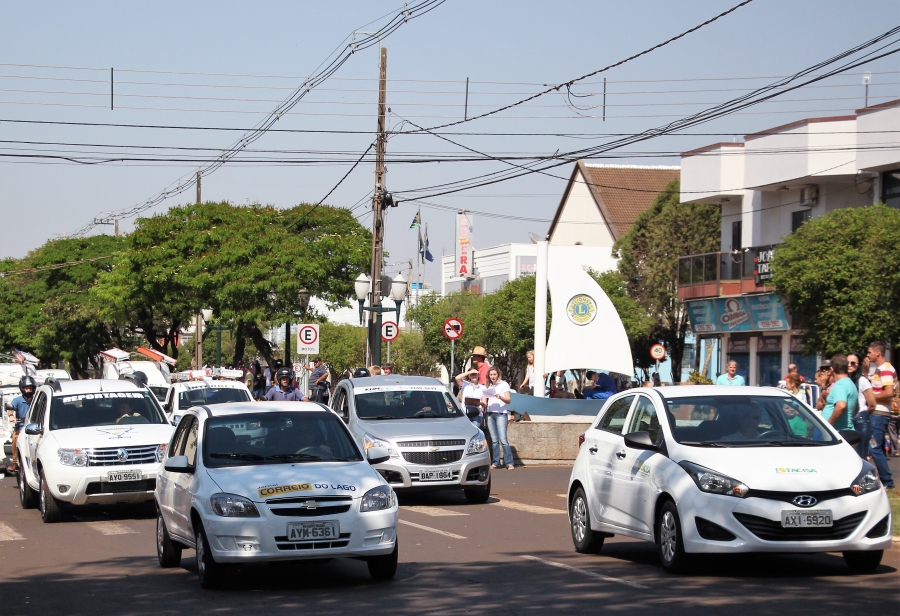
{"x":883,"y":377}
{"x":479,"y":362}
{"x":796,"y":388}
{"x":731,"y":377}
{"x":318,"y":380}
{"x":497,"y":399}
{"x":375,"y":370}
{"x":527,"y":384}
{"x":792,"y":369}
{"x":259,"y":381}
{"x":472,"y":394}
{"x":843,"y":398}
{"x":858,"y":370}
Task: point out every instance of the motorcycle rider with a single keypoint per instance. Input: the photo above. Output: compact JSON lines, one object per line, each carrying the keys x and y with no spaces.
{"x":20,"y":406}
{"x":284,"y":390}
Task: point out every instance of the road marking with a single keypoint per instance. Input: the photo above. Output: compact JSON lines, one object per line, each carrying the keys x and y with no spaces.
{"x":8,"y":533}
{"x":528,"y":508}
{"x":598,"y":576}
{"x":111,"y":528}
{"x":432,"y":530}
{"x":433,"y":511}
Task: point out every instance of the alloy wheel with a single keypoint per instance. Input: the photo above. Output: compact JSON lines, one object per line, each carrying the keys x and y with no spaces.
{"x":579,"y":519}
{"x":668,"y":536}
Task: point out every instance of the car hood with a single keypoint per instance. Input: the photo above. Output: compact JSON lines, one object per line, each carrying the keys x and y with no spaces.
{"x":261,"y":481}
{"x":418,"y":429}
{"x":132,"y":435}
{"x":829,"y":467}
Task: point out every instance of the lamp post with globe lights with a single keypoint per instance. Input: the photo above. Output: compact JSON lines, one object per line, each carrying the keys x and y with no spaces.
{"x":362,"y":286}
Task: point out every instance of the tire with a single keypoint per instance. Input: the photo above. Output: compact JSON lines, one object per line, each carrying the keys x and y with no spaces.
{"x":50,"y":508}
{"x":479,"y":495}
{"x":863,"y":562}
{"x":586,"y":540}
{"x":669,"y":538}
{"x":384,"y":568}
{"x":27,"y":496}
{"x":209,"y":571}
{"x":167,"y":552}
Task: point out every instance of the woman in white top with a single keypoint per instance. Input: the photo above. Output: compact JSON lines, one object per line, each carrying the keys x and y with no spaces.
{"x":857,"y":369}
{"x":470,"y":389}
{"x":497,"y":398}
{"x":527,"y":384}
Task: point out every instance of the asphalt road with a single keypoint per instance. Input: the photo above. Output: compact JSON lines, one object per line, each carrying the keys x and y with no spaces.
{"x":511,"y":556}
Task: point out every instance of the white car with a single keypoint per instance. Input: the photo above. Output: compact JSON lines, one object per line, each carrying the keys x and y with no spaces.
{"x":157,"y":372}
{"x":272,"y":481}
{"x":431,"y":442}
{"x":707,"y":469}
{"x":92,"y":441}
{"x":186,"y":395}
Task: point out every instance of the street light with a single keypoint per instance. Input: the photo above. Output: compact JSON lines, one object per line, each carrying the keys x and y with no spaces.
{"x":362,"y":286}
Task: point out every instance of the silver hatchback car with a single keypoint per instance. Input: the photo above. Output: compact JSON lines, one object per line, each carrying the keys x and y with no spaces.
{"x":432,"y":443}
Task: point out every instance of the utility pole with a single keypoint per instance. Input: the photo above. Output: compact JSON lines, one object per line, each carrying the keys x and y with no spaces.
{"x":198,"y":320}
{"x":198,"y":187}
{"x":378,"y":220}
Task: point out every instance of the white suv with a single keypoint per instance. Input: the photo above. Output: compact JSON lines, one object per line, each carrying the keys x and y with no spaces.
{"x":93,"y":441}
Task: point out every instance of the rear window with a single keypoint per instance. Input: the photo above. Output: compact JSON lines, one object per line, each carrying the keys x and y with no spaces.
{"x":211,"y":395}
{"x":105,"y":409}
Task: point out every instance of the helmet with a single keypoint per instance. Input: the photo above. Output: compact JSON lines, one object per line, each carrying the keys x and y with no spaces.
{"x":284,"y":373}
{"x":27,"y":381}
{"x":361,"y":372}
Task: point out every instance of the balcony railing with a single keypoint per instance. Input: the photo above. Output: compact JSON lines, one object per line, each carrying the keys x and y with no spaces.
{"x":715,"y":274}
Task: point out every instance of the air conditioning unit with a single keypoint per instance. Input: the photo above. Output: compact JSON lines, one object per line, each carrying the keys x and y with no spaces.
{"x":809,"y":195}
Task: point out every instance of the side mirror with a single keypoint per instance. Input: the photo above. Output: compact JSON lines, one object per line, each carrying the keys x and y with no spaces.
{"x":178,"y":464}
{"x":377,"y":455}
{"x":8,"y":407}
{"x":640,"y":440}
{"x":852,"y":437}
{"x":176,"y":419}
{"x":33,"y":429}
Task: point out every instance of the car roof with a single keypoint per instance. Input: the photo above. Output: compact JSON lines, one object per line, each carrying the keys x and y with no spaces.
{"x":718,"y":391}
{"x":224,"y":383}
{"x":392,"y":379}
{"x":92,"y":386}
{"x":238,"y":408}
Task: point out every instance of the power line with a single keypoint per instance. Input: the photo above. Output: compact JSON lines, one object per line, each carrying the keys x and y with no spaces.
{"x":55,"y":266}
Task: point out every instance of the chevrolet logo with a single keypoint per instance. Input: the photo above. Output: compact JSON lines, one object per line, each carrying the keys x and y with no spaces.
{"x":310,"y":504}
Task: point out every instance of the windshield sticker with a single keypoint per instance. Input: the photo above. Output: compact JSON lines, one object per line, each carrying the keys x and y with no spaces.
{"x":103,"y":396}
{"x":115,"y":433}
{"x":794,"y":470}
{"x":273,"y":490}
{"x":325,"y":486}
{"x":373,"y":389}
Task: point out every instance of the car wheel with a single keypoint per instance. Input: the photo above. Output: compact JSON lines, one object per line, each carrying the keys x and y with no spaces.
{"x":168,"y":553}
{"x":384,"y":567}
{"x":671,"y":545}
{"x":586,"y":540}
{"x":27,"y":496}
{"x":208,"y":570}
{"x":480,"y":495}
{"x":51,"y":510}
{"x":863,"y":562}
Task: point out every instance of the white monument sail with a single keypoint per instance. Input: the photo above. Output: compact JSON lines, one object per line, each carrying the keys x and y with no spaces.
{"x":586,"y":331}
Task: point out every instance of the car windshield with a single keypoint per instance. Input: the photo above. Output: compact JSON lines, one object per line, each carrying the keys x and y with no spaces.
{"x":406,"y":403}
{"x":277,"y":438}
{"x":105,"y":409}
{"x":745,"y":421}
{"x":211,"y":395}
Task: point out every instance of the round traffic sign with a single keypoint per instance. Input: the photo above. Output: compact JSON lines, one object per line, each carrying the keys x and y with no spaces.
{"x":308,"y":334}
{"x":658,"y":352}
{"x":298,"y":368}
{"x":389,"y":331}
{"x":453,"y":329}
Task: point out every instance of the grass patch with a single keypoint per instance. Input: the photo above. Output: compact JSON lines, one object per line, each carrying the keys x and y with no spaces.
{"x":894,"y":496}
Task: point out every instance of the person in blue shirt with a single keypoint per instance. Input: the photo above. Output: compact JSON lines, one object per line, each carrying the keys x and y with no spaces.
{"x":285,"y":391}
{"x":731,"y":377}
{"x":842,"y":400}
{"x":20,"y":406}
{"x":600,"y":386}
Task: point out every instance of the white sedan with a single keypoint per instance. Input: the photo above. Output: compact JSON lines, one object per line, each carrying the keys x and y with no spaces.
{"x":706,"y":469}
{"x":272,"y":481}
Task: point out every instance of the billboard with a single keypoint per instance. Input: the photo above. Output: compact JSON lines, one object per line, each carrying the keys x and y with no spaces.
{"x":749,"y":313}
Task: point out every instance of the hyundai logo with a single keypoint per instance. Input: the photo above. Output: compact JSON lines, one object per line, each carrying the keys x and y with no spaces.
{"x":804,"y":500}
{"x":122,"y":454}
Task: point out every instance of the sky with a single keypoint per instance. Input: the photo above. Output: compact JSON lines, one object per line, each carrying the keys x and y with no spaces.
{"x":225,"y":65}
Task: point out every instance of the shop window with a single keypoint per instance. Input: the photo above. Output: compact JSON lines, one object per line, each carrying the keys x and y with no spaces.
{"x":798,"y":218}
{"x":736,"y":235}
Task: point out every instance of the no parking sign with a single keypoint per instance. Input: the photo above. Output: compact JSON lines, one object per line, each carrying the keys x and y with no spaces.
{"x":308,"y":339}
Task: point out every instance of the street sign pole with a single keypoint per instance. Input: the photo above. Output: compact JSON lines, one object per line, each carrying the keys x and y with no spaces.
{"x":452,"y":350}
{"x":389,"y":352}
{"x":453,"y":329}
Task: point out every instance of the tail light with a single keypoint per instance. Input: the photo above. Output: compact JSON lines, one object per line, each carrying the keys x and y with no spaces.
{"x":580,"y":440}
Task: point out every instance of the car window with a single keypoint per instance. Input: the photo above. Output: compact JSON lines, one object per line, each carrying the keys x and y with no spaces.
{"x":190,"y":443}
{"x":614,"y":418}
{"x":36,"y":411}
{"x":645,"y":419}
{"x":178,"y":438}
{"x":105,"y":409}
{"x":401,"y":402}
{"x":210,"y":395}
{"x":277,"y":438}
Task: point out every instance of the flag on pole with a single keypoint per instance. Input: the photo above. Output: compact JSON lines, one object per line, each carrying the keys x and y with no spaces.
{"x":417,"y":220}
{"x":426,"y":255}
{"x":421,"y":248}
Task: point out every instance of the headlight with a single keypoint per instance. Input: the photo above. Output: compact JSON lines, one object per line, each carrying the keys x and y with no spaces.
{"x":477,"y":445}
{"x":378,"y":498}
{"x":73,"y":457}
{"x":867,"y":480}
{"x":370,"y":441}
{"x":713,"y":482}
{"x":161,"y":452}
{"x":233,"y":506}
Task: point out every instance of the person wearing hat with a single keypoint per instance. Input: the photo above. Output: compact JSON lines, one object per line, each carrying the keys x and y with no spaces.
{"x":479,"y":362}
{"x":471,"y":391}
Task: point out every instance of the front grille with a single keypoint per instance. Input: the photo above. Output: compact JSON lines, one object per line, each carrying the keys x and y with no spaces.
{"x":788,"y":497}
{"x":109,"y":456}
{"x":283,"y":544}
{"x":432,"y":458}
{"x":771,"y":530}
{"x":447,"y":443}
{"x":305,"y":499}
{"x":305,"y":512}
{"x":120,"y":487}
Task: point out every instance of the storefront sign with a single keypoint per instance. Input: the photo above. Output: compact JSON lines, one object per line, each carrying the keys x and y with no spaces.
{"x":762,"y":270}
{"x":702,"y":314}
{"x":738,"y":344}
{"x":747,"y":313}
{"x":796,"y":345}
{"x":767,"y":312}
{"x":733,"y":315}
{"x":768,"y":344}
{"x":526,"y":265}
{"x":464,"y":266}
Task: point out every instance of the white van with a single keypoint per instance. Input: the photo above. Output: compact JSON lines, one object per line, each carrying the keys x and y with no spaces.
{"x":159,"y":379}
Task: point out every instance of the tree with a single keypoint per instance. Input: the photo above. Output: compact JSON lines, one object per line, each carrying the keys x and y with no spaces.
{"x":409,"y":355}
{"x":51,"y":311}
{"x":342,"y":346}
{"x":839,"y":276}
{"x":430,"y":313}
{"x":648,"y":261}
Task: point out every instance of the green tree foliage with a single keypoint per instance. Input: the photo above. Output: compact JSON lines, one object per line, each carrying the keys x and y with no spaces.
{"x":52,"y":312}
{"x":430,"y":313}
{"x":409,"y":355}
{"x":840,"y":277}
{"x":648,"y":261}
{"x":246,"y":263}
{"x":342,"y":346}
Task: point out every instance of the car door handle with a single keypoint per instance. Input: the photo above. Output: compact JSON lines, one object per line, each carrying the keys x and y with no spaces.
{"x":621,"y":455}
{"x":593,"y":449}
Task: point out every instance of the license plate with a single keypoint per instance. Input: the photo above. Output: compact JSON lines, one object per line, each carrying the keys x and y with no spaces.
{"x":438,"y":474}
{"x":113,"y":476}
{"x":802,"y":519}
{"x":313,"y":531}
